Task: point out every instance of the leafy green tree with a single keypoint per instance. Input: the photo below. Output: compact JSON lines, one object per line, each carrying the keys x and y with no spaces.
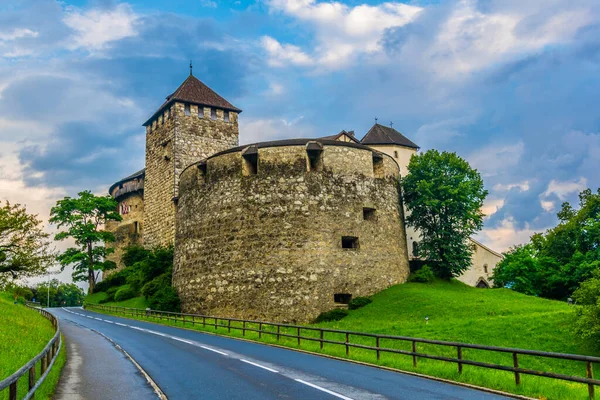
{"x":25,"y":249}
{"x":519,"y":270}
{"x":59,"y":293}
{"x":443,"y":196}
{"x":84,"y":218}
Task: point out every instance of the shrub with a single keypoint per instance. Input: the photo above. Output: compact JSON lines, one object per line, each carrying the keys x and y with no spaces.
{"x":165,"y":299}
{"x":134,"y":254}
{"x":114,"y":280}
{"x":150,"y":288}
{"x":358,"y":302}
{"x":135,"y":280}
{"x":332,"y":315}
{"x":125,"y":293}
{"x":424,"y":275}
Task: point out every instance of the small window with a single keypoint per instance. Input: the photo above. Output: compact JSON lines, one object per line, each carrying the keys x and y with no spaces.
{"x":213,"y":113}
{"x":485,"y":268}
{"x":378,"y":171}
{"x":136,"y":227}
{"x":349,"y":242}
{"x":415,"y":250}
{"x":315,"y":160}
{"x":395,"y":154}
{"x":226,"y":116}
{"x":200,"y":112}
{"x":369,"y":214}
{"x":342,"y":298}
{"x":186,"y":109}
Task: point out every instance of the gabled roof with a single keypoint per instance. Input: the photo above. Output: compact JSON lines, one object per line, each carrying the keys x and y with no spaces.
{"x":380,"y":134}
{"x":193,"y":91}
{"x":349,"y":134}
{"x":139,"y":174}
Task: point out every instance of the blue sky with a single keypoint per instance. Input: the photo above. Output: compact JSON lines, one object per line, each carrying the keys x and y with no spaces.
{"x":510,"y":85}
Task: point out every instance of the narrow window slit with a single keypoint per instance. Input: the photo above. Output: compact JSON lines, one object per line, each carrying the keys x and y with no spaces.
{"x":369,"y":214}
{"x":349,"y":242}
{"x":342,"y":298}
{"x":250,"y":161}
{"x":378,"y":170}
{"x":314,"y":154}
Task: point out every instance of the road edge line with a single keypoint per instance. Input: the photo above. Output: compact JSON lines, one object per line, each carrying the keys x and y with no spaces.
{"x":433,"y":378}
{"x":161,"y":395}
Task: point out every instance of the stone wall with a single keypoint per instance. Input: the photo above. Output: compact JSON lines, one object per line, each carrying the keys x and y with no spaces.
{"x":174,"y":140}
{"x":128,"y":232}
{"x":269,"y":245}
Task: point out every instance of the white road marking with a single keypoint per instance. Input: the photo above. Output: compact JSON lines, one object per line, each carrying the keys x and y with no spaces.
{"x":181,"y":340}
{"x":99,"y":319}
{"x":120,"y":324}
{"x":259,"y":366}
{"x":89,"y":317}
{"x":110,"y":322}
{"x":341,"y":396}
{"x":216,"y":351}
{"x":135,"y":327}
{"x":156,"y":333}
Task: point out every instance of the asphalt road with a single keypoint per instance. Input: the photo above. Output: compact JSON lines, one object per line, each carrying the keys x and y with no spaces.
{"x":193,"y":365}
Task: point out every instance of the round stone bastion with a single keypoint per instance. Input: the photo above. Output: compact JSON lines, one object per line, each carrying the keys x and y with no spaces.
{"x":282,"y":231}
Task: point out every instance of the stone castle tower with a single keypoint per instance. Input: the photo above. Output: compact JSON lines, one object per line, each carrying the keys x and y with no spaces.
{"x":193,"y":123}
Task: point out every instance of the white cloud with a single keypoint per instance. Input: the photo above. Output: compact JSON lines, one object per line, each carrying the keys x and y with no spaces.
{"x":522,"y":186}
{"x":495,"y":159}
{"x":506,"y":235}
{"x":17,"y":33}
{"x":284,"y":54}
{"x":491,"y":205}
{"x":261,"y":130}
{"x":564,"y":188}
{"x":342,"y":32}
{"x":95,"y":28}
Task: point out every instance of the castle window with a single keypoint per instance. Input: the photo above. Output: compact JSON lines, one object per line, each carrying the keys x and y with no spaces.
{"x":369,"y":214}
{"x":226,"y":116}
{"x":485,"y":268}
{"x":395,"y":154}
{"x":349,"y":242}
{"x":186,"y":109}
{"x":200,"y":112}
{"x":314,"y":154}
{"x":342,"y":298}
{"x":415,"y":250}
{"x":136,"y":227}
{"x":250,"y":161}
{"x":378,"y":171}
{"x":213,"y":113}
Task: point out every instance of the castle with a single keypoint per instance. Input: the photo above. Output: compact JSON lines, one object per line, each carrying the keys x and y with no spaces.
{"x":279,"y":230}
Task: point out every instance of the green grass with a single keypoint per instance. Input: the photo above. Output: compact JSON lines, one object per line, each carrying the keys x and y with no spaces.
{"x":136,"y":302}
{"x":456,"y":312}
{"x":23,"y":334}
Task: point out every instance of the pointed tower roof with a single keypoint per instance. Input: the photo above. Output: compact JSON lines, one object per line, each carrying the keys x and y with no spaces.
{"x":380,"y":134}
{"x":193,"y":91}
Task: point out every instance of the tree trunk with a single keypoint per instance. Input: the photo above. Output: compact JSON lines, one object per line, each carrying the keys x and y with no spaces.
{"x":91,"y":277}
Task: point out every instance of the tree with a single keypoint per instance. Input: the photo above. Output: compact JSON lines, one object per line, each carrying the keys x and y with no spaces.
{"x":25,"y":249}
{"x":84,"y":219}
{"x":443,"y":196}
{"x":59,"y":294}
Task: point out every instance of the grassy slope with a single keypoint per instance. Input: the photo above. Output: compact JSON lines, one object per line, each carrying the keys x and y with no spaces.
{"x":23,"y":334}
{"x":136,"y":302}
{"x":461,"y":313}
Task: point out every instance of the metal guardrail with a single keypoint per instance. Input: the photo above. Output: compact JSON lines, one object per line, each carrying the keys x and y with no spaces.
{"x":47,"y":357}
{"x":277,"y":330}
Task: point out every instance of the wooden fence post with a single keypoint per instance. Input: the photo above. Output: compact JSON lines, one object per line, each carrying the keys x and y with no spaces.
{"x":516,"y":365}
{"x":347,"y":340}
{"x":278,"y":327}
{"x":32,"y":378}
{"x":377,"y":345}
{"x":244,"y":328}
{"x":229,"y":325}
{"x":321,"y":341}
{"x":589,"y":372}
{"x":414,"y":350}
{"x":12,"y":391}
{"x":459,"y":353}
{"x":298,"y":337}
{"x":260,"y":330}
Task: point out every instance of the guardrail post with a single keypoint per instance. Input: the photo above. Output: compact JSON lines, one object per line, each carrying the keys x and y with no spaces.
{"x":589,"y":372}
{"x":12,"y":391}
{"x":516,"y":365}
{"x":260,"y":330}
{"x":459,"y":354}
{"x":347,"y":340}
{"x":414,"y":350}
{"x":377,"y":345}
{"x":32,"y":378}
{"x":321,"y":341}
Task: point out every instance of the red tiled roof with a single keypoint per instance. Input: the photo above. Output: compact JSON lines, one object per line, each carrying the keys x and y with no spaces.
{"x":193,"y":91}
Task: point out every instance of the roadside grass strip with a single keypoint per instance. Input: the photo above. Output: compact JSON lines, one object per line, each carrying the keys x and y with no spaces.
{"x":456,"y":312}
{"x":23,"y":334}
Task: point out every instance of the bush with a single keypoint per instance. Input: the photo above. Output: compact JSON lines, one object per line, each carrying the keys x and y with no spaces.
{"x":165,"y":299}
{"x":134,"y":254}
{"x":150,"y":288}
{"x":332,"y":315}
{"x":424,"y":275}
{"x":114,"y":280}
{"x":135,"y":280}
{"x":125,"y":293}
{"x":358,"y":302}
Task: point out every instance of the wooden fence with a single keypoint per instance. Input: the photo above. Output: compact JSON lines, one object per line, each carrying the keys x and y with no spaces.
{"x":45,"y":359}
{"x":283,"y":330}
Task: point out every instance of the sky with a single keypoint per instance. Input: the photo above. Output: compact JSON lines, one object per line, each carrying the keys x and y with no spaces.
{"x":512,"y":86}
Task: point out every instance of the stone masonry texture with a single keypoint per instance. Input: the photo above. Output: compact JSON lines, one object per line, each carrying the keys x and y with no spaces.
{"x":269,"y":245}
